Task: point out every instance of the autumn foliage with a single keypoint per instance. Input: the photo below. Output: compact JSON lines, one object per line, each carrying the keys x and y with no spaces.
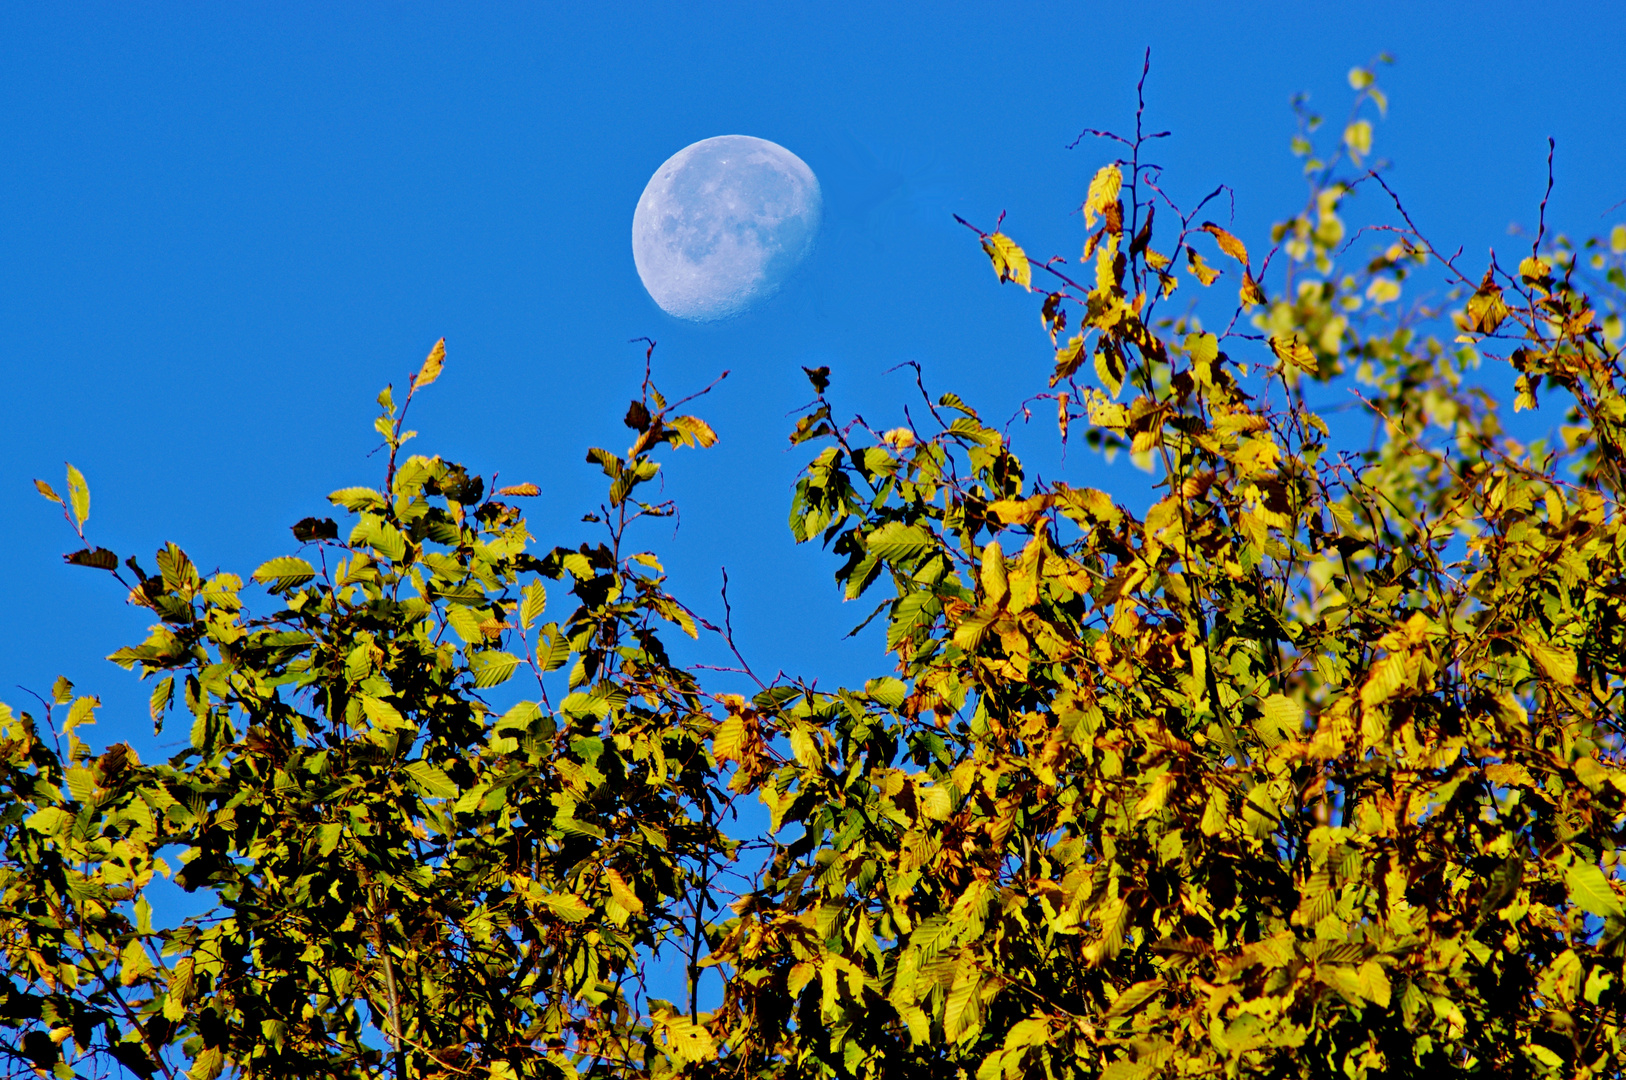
{"x":1309,"y":766}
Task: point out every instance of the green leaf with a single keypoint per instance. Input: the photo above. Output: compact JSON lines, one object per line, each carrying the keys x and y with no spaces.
{"x":896,"y":542}
{"x":1591,"y":891}
{"x":553,"y":649}
{"x":379,"y":534}
{"x":1555,"y":661}
{"x":384,"y":716}
{"x":158,"y":703}
{"x":358,"y":498}
{"x":51,"y":821}
{"x":466,"y":624}
{"x":492,"y":667}
{"x":886,"y":691}
{"x":431,"y":780}
{"x":931,"y":936}
{"x":1280,"y":718}
{"x":134,"y":963}
{"x":533,"y":604}
{"x":1135,"y":996}
{"x":567,"y":906}
{"x":284,"y":573}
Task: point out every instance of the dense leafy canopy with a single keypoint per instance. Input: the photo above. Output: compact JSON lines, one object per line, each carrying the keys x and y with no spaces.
{"x":1310,"y":767}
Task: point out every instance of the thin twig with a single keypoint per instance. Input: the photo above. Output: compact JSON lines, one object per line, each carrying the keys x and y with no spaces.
{"x":1541,"y":227}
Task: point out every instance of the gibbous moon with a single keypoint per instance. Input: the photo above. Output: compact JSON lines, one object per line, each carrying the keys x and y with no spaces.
{"x":722,"y":224}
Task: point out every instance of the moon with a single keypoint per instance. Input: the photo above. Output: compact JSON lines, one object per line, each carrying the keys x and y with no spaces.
{"x":722,"y":225}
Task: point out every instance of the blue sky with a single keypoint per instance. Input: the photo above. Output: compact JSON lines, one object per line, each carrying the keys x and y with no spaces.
{"x":225,"y":227}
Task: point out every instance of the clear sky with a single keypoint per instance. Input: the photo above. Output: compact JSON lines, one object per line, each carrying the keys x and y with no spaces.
{"x":225,"y":227}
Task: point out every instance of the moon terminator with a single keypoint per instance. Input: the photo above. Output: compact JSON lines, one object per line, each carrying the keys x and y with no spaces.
{"x":722,"y":224}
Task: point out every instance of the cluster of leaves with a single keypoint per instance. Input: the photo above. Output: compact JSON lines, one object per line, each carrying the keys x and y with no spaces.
{"x":389,"y":855}
{"x":1310,"y":767}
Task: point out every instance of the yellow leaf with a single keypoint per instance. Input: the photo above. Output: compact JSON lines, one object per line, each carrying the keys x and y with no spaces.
{"x":1293,"y":351}
{"x":1280,"y":718}
{"x":1617,"y":239}
{"x":1385,"y":680}
{"x":567,"y":906}
{"x":969,"y":633}
{"x":1486,"y":309}
{"x":730,"y":739}
{"x":1509,"y":774}
{"x":1068,"y":359}
{"x":133,"y":962}
{"x":1106,"y":267}
{"x":1251,"y":294}
{"x":685,"y":1040}
{"x":994,"y":585}
{"x":1358,"y":137}
{"x":1216,"y":814}
{"x":1205,"y":273}
{"x":1382,"y":290}
{"x":1010,"y":261}
{"x":961,"y":1015}
{"x":1024,"y":581}
{"x":1103,"y":192}
{"x":1374,"y":984}
{"x":622,"y":891}
{"x":78,"y":495}
{"x":520,"y":490}
{"x":1557,"y":662}
{"x":1156,"y":796}
{"x":935,"y":801}
{"x":695,"y":430}
{"x":1533,"y":271}
{"x":431,"y":366}
{"x":806,"y":749}
{"x":384,"y":716}
{"x":1228,"y":243}
{"x":1034,"y":1031}
{"x":50,"y":493}
{"x":800,"y":975}
{"x":1019,"y":511}
{"x":209,"y":1063}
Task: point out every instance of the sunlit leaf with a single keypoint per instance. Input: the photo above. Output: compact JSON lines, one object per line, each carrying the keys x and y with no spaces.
{"x":432,"y":365}
{"x":1591,"y":892}
{"x":1103,"y":191}
{"x":1228,"y":243}
{"x":1010,"y":261}
{"x":1205,"y":273}
{"x":284,"y":573}
{"x":78,"y":495}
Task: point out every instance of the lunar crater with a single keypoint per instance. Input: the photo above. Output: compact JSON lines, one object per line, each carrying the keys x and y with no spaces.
{"x":722,"y":224}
